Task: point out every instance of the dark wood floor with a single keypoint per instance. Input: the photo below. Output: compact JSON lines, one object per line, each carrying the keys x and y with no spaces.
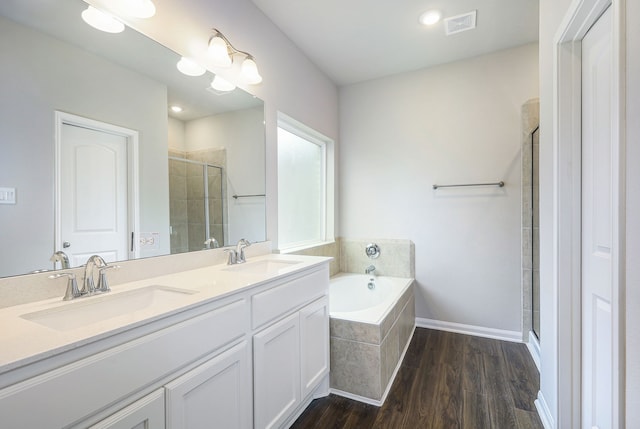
{"x":446,"y":381}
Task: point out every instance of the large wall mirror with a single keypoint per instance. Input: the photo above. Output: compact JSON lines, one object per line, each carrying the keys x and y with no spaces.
{"x":97,"y":160}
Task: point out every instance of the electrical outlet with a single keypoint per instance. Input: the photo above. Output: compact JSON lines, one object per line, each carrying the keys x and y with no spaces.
{"x":149,"y":240}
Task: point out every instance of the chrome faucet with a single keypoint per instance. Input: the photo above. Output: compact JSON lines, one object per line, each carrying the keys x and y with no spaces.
{"x":210,"y":243}
{"x":242,"y":244}
{"x":88,"y":284}
{"x":370,"y":270}
{"x":61,"y":257}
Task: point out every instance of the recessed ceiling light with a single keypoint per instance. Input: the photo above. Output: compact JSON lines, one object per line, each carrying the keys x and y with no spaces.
{"x":176,"y":109}
{"x":101,"y":20}
{"x":190,"y":68}
{"x":430,"y":17}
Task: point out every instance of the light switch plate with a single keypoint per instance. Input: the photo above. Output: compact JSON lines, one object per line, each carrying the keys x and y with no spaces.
{"x":7,"y":195}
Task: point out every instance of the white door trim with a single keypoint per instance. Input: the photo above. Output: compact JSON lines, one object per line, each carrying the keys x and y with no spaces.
{"x":62,"y":118}
{"x":567,"y":206}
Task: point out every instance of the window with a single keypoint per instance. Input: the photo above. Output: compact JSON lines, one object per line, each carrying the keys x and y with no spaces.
{"x":302,"y":185}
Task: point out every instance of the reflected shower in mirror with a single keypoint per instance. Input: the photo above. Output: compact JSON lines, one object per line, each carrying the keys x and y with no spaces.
{"x":81,"y":103}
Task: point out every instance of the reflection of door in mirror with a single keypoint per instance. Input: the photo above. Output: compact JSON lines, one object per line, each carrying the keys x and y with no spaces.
{"x":196,"y":199}
{"x":95,"y":190}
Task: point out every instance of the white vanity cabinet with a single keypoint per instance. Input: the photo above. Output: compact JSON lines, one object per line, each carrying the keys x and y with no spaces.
{"x":215,"y":394}
{"x":252,"y":358}
{"x":291,"y":355}
{"x":145,"y":413}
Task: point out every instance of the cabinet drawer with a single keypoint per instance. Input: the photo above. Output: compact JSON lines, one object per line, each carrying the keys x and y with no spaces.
{"x":279,"y":300}
{"x":77,"y":390}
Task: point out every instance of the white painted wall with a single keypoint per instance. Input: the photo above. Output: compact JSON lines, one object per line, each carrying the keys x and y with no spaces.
{"x":47,"y":75}
{"x":176,"y":135}
{"x":457,"y":123}
{"x":551,"y":14}
{"x":237,"y":132}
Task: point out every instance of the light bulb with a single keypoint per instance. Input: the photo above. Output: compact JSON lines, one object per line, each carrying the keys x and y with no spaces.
{"x":250,"y":71}
{"x":102,"y":21}
{"x":136,"y":8}
{"x":176,"y":109}
{"x":430,"y":17}
{"x":190,"y":68}
{"x":219,"y":52}
{"x":221,"y":84}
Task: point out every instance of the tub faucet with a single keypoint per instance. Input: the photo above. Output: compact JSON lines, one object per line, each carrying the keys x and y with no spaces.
{"x":370,"y":270}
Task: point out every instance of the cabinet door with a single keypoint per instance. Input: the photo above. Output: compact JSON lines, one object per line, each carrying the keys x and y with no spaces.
{"x":216,"y":394}
{"x":145,"y":413}
{"x":314,"y":344}
{"x":276,"y":360}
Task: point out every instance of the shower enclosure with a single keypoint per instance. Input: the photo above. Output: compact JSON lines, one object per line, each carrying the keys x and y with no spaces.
{"x":197,"y":208}
{"x":530,"y":222}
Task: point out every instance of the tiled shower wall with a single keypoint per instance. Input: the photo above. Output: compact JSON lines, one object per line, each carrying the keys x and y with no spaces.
{"x":187,"y":203}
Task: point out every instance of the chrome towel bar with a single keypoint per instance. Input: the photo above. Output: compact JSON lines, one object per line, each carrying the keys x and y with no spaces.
{"x":500,"y":184}
{"x":247,"y":196}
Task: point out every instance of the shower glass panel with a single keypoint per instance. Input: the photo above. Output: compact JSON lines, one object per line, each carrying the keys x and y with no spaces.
{"x":196,"y":204}
{"x":535,"y":233}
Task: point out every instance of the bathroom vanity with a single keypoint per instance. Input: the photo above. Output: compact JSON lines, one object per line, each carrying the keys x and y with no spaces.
{"x":239,"y":346}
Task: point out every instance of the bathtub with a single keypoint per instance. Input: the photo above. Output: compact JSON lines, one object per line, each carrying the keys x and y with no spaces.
{"x":363,"y":298}
{"x":372,"y":320}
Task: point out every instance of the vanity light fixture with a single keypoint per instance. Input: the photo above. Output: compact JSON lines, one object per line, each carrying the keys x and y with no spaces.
{"x":222,"y":52}
{"x":221,"y":84}
{"x":189,"y":67}
{"x":101,"y":20}
{"x":137,"y":8}
{"x":430,"y":17}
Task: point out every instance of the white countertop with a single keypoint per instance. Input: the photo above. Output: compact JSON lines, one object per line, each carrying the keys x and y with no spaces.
{"x":24,"y":341}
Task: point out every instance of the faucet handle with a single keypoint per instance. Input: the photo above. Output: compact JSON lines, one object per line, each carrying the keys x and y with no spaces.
{"x":72,"y":285}
{"x":232,"y":256}
{"x":103,"y":286}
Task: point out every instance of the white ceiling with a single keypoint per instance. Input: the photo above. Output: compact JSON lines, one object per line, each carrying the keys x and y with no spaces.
{"x":358,"y":40}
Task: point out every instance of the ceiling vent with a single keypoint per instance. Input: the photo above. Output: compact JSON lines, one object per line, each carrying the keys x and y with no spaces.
{"x":460,"y":23}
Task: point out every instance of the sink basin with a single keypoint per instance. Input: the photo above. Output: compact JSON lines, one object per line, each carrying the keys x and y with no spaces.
{"x":267,"y":266}
{"x":86,"y":311}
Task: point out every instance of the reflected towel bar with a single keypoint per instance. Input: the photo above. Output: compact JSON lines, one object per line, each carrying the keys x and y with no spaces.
{"x":500,"y":184}
{"x":246,"y":196}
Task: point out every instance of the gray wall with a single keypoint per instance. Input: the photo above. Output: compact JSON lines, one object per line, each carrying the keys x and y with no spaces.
{"x":39,"y":76}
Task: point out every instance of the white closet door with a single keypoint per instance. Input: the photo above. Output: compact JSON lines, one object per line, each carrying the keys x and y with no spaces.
{"x":598,"y":215}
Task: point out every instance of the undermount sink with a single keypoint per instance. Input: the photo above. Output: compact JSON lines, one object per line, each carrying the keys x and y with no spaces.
{"x":268,"y":266}
{"x":90,"y":310}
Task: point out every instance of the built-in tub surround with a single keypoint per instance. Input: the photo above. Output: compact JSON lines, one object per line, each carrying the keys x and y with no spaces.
{"x":396,"y":256}
{"x":368,"y":341}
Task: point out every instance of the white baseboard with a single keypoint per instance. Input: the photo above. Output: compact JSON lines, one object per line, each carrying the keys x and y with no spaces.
{"x":478,"y":331}
{"x":534,"y":349}
{"x":543,"y":412}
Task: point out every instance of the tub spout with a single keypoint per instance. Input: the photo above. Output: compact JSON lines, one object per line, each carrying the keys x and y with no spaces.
{"x":370,"y":270}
